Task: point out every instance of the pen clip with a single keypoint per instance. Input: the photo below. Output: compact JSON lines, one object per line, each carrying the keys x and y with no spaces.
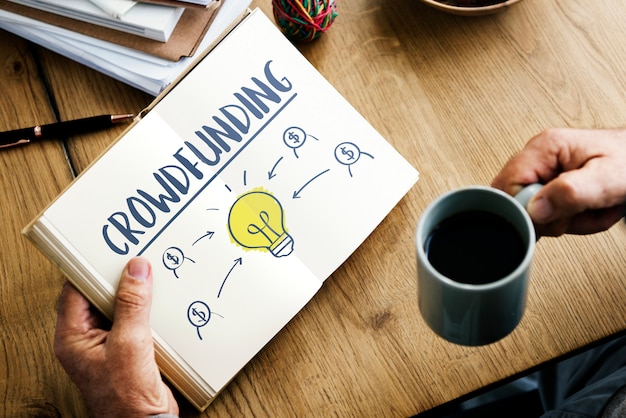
{"x":23,"y":141}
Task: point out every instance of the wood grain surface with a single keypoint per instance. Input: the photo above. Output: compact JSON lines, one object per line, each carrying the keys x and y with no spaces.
{"x":457,"y":96}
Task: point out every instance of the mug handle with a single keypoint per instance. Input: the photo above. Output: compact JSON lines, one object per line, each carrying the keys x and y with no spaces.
{"x":524,"y":196}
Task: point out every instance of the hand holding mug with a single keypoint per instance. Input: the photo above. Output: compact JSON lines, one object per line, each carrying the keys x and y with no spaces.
{"x":584,"y":173}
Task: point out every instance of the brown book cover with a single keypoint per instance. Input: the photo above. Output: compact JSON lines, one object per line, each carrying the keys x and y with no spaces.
{"x":183,"y":42}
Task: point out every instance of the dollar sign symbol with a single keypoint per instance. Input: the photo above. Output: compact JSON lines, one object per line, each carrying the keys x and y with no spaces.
{"x":294,"y":137}
{"x":199,"y":313}
{"x":172,"y":258}
{"x":349,"y":153}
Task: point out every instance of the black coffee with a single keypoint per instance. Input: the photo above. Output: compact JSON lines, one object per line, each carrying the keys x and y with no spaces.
{"x":475,"y":247}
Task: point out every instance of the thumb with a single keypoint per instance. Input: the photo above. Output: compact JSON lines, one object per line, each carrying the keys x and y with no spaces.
{"x":570,"y":193}
{"x":540,"y":209}
{"x":134,"y":297}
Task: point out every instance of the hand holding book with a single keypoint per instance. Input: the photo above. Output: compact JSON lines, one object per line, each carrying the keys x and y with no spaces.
{"x":99,"y":360}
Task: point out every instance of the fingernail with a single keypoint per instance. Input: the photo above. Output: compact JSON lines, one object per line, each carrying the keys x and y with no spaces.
{"x":139,"y":268}
{"x":540,"y":209}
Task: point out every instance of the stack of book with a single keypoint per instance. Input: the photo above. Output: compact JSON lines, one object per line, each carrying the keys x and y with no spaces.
{"x":146,"y":44}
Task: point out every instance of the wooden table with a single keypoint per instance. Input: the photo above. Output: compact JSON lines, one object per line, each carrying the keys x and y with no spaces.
{"x":456,"y":96}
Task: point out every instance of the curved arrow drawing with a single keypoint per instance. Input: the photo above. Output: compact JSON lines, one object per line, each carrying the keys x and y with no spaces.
{"x":208,"y":234}
{"x":238,"y":261}
{"x":270,"y":174}
{"x":296,"y":194}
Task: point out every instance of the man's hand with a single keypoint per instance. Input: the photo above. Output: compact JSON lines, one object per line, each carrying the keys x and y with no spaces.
{"x":584,"y":172}
{"x":114,"y":369}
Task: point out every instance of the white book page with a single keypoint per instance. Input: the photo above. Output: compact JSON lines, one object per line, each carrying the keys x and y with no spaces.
{"x":334,"y":174}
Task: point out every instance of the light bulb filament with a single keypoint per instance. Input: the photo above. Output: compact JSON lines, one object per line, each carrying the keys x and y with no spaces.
{"x":266,"y":230}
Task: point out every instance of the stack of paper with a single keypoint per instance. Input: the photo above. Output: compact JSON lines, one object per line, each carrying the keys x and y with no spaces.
{"x":143,"y":63}
{"x":149,"y":20}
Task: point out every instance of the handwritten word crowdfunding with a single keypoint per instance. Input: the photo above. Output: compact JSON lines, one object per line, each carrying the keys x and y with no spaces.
{"x":214,"y":145}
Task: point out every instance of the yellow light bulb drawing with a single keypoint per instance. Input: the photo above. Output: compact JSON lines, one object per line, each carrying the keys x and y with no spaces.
{"x":256,"y":221}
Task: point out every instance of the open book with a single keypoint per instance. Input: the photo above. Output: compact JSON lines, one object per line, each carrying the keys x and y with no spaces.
{"x":246,"y":184}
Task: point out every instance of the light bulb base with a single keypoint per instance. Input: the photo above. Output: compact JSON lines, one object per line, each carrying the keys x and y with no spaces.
{"x":283,"y":246}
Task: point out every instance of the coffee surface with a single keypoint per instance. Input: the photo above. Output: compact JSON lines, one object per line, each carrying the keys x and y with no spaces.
{"x":475,"y":247}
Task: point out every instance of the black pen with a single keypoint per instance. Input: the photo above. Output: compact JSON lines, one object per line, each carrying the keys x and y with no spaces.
{"x":60,"y":129}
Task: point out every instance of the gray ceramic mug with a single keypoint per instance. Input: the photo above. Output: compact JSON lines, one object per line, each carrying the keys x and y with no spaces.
{"x":460,"y":296}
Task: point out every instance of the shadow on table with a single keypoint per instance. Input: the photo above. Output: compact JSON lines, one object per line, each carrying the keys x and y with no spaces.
{"x":519,"y":398}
